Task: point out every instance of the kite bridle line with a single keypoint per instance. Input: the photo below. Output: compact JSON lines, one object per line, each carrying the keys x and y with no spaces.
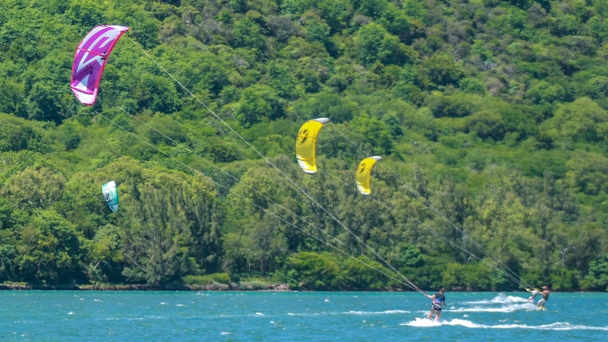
{"x":272,"y":164}
{"x":178,"y":145}
{"x":382,"y":201}
{"x":499,"y":265}
{"x":198,"y":172}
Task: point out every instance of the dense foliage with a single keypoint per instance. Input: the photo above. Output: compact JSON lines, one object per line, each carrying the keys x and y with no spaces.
{"x":493,"y":112}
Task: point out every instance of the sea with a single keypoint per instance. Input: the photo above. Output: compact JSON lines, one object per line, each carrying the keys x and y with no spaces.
{"x":296,"y":316}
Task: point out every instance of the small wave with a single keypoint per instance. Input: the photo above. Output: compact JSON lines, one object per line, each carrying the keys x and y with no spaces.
{"x":226,"y":333}
{"x":180,"y":305}
{"x":465,"y":323}
{"x":500,"y":299}
{"x":420,"y":322}
{"x":259,"y":314}
{"x":163,"y":303}
{"x":386,"y":312}
{"x":98,"y":300}
{"x":310,"y":314}
{"x":70,"y":313}
{"x":552,"y":326}
{"x":423,"y":322}
{"x":509,"y":308}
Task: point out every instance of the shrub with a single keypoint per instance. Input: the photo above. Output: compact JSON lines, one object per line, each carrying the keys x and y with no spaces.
{"x":207,"y":279}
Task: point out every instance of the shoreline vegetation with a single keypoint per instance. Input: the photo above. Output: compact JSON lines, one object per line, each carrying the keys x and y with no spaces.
{"x":213,"y":287}
{"x":145,"y":287}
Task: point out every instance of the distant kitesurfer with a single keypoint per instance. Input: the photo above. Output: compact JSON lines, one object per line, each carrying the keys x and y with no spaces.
{"x":533,"y":295}
{"x":438,"y":304}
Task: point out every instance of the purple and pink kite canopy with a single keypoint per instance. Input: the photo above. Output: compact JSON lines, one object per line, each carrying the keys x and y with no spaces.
{"x":90,"y":60}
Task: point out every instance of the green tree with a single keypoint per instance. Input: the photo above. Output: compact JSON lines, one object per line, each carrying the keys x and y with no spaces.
{"x":581,"y":120}
{"x":439,"y":70}
{"x":487,"y":125}
{"x":155,"y":242}
{"x":312,"y":271}
{"x":256,"y":104}
{"x":597,"y":279}
{"x":49,"y":250}
{"x":34,"y":188}
{"x":373,"y":43}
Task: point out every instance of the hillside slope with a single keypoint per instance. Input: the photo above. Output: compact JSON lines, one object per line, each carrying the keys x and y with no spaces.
{"x":491,"y":113}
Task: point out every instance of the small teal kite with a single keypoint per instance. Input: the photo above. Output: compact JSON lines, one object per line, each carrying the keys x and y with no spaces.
{"x":110,"y":193}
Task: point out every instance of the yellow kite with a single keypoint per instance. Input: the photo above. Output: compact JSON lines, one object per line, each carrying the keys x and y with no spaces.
{"x":363,"y":175}
{"x":306,"y":144}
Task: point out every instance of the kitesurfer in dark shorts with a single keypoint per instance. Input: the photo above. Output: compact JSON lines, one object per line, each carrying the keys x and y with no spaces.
{"x":544,"y":297}
{"x":438,"y":304}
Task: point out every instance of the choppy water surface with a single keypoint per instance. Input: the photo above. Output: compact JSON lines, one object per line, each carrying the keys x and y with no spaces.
{"x":326,"y":316}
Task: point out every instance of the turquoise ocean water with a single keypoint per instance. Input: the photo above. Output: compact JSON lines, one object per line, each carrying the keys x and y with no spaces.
{"x":296,"y":316}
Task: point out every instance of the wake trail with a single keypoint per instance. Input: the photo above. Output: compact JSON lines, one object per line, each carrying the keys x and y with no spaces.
{"x":557,"y":326}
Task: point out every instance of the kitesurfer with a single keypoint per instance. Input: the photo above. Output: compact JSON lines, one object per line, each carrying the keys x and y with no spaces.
{"x":544,"y":297}
{"x":438,"y":304}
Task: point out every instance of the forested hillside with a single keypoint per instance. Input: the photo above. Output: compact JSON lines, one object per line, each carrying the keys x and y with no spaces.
{"x":491,"y":113}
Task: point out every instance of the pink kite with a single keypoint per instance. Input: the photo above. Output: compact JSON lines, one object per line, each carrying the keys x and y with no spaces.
{"x":90,"y":59}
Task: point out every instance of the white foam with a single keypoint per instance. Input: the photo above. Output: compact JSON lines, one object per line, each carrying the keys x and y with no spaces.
{"x":180,"y":305}
{"x":386,"y":312}
{"x":422,"y":322}
{"x":552,"y":326}
{"x":259,"y":314}
{"x":508,"y":308}
{"x":97,"y":300}
{"x":500,"y":299}
{"x":226,"y":333}
{"x":464,"y":323}
{"x":557,"y":326}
